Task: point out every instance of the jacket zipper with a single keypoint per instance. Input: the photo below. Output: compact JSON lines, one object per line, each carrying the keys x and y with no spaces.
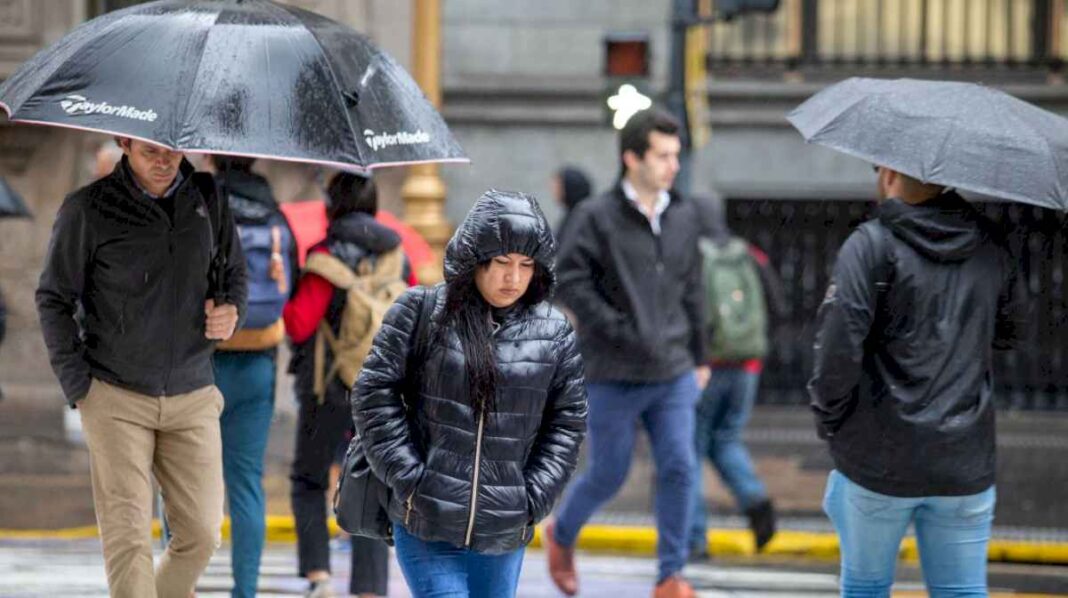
{"x":478,"y":459}
{"x":474,"y":482}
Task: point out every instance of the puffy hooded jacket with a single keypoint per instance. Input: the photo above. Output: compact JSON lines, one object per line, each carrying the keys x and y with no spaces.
{"x":903,"y":384}
{"x":479,"y":482}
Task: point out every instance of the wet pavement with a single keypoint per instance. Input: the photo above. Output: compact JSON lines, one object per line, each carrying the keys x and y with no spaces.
{"x":74,"y":568}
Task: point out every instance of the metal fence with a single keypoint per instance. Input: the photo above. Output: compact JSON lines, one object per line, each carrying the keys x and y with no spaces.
{"x":802,"y":239}
{"x":937,"y":35}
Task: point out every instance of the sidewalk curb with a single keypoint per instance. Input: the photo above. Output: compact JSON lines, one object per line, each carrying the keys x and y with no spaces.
{"x":638,"y":540}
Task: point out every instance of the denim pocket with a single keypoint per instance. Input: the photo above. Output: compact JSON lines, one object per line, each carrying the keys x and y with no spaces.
{"x":868,"y":504}
{"x":977,"y":507}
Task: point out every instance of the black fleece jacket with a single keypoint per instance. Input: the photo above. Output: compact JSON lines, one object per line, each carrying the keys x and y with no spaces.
{"x":637,"y":296}
{"x":143,"y":278}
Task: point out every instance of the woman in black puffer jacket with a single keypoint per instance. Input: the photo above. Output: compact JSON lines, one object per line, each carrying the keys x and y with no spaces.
{"x":491,"y":436}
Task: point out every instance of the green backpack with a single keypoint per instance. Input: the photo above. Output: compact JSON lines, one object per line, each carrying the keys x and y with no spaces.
{"x":734,"y":302}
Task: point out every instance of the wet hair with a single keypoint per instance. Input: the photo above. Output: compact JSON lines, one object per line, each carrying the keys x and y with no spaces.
{"x":349,"y":193}
{"x":471,"y":317}
{"x":635,"y":134}
{"x":224,"y":163}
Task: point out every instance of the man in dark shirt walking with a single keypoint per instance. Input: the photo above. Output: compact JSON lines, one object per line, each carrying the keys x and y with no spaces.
{"x":146,"y":252}
{"x":630,"y":271}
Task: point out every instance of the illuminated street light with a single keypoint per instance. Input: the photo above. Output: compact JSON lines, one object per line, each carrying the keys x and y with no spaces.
{"x":627,"y":102}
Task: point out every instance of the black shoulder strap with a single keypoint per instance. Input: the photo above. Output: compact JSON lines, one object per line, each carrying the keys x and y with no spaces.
{"x":420,"y":343}
{"x":220,"y":246}
{"x":422,"y":326}
{"x":883,"y":249}
{"x":205,"y":183}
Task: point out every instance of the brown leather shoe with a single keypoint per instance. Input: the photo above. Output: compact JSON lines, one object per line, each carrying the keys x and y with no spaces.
{"x":674,"y":587}
{"x":561,"y":562}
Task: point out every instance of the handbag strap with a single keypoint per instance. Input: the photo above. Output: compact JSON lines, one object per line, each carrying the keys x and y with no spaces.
{"x":421,"y":334}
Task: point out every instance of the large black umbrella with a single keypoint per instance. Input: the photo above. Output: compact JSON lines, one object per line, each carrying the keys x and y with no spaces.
{"x":247,"y":77}
{"x":957,"y":134}
{"x":11,"y":205}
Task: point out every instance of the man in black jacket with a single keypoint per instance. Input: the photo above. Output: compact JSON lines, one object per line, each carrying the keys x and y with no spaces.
{"x":630,"y":271}
{"x":903,"y":386}
{"x":149,"y":252}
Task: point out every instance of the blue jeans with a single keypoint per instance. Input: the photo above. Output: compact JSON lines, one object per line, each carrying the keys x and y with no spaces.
{"x":952,"y":533}
{"x":721,"y":416}
{"x":441,"y":570}
{"x":666,"y":409}
{"x":247,"y":383}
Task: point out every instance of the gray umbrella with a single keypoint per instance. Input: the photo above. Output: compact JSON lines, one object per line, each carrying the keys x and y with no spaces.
{"x":11,"y":205}
{"x":960,"y":135}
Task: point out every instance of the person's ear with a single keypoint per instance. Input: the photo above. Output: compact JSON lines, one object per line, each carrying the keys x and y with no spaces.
{"x":631,"y":159}
{"x":123,"y":143}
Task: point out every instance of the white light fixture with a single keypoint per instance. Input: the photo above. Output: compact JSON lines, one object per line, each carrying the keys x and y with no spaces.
{"x":627,"y":102}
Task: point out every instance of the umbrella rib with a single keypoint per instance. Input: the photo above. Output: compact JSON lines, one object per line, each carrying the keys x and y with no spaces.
{"x":333,"y":76}
{"x":1049,"y":148}
{"x":178,"y":122}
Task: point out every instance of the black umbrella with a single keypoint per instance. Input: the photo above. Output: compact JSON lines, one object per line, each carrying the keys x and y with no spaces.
{"x":957,"y":134}
{"x":246,"y":77}
{"x":11,"y":205}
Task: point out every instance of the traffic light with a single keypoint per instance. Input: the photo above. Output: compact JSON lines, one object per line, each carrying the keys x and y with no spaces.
{"x":626,"y":71}
{"x":728,"y":9}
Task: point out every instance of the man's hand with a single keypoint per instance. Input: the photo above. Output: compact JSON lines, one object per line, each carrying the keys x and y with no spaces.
{"x":703,"y":374}
{"x":220,"y":320}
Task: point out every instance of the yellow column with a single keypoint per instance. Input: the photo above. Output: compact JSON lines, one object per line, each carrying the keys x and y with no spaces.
{"x":424,"y":191}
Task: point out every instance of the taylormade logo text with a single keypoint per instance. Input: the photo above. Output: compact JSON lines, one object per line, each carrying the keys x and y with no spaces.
{"x":76,"y":105}
{"x":378,"y":141}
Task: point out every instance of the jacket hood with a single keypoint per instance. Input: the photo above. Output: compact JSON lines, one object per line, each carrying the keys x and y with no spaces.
{"x":248,"y":185}
{"x":501,"y":222}
{"x":363,"y":230}
{"x":945,"y":229}
{"x":251,"y":200}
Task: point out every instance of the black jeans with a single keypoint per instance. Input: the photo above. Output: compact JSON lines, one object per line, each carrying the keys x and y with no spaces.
{"x":320,"y":430}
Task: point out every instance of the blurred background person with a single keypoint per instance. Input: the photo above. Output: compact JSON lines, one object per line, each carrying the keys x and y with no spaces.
{"x":570,"y":186}
{"x":354,"y":238}
{"x":743,"y":296}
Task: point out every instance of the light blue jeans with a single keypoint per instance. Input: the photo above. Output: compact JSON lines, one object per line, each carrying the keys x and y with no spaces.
{"x":952,"y":533}
{"x":721,"y":417}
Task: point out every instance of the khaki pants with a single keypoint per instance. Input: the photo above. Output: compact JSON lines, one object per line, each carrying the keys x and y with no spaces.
{"x":132,"y":437}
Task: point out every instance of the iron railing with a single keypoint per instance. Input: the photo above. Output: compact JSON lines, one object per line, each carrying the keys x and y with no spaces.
{"x":937,"y":35}
{"x":802,"y":239}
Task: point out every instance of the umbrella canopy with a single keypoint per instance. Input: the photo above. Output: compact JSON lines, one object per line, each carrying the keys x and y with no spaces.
{"x":11,"y":205}
{"x":245,"y":77}
{"x":960,"y":135}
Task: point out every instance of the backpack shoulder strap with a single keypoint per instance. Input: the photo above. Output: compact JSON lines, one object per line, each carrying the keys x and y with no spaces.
{"x":330,"y":268}
{"x":205,"y":183}
{"x":883,"y":274}
{"x":390,"y":265}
